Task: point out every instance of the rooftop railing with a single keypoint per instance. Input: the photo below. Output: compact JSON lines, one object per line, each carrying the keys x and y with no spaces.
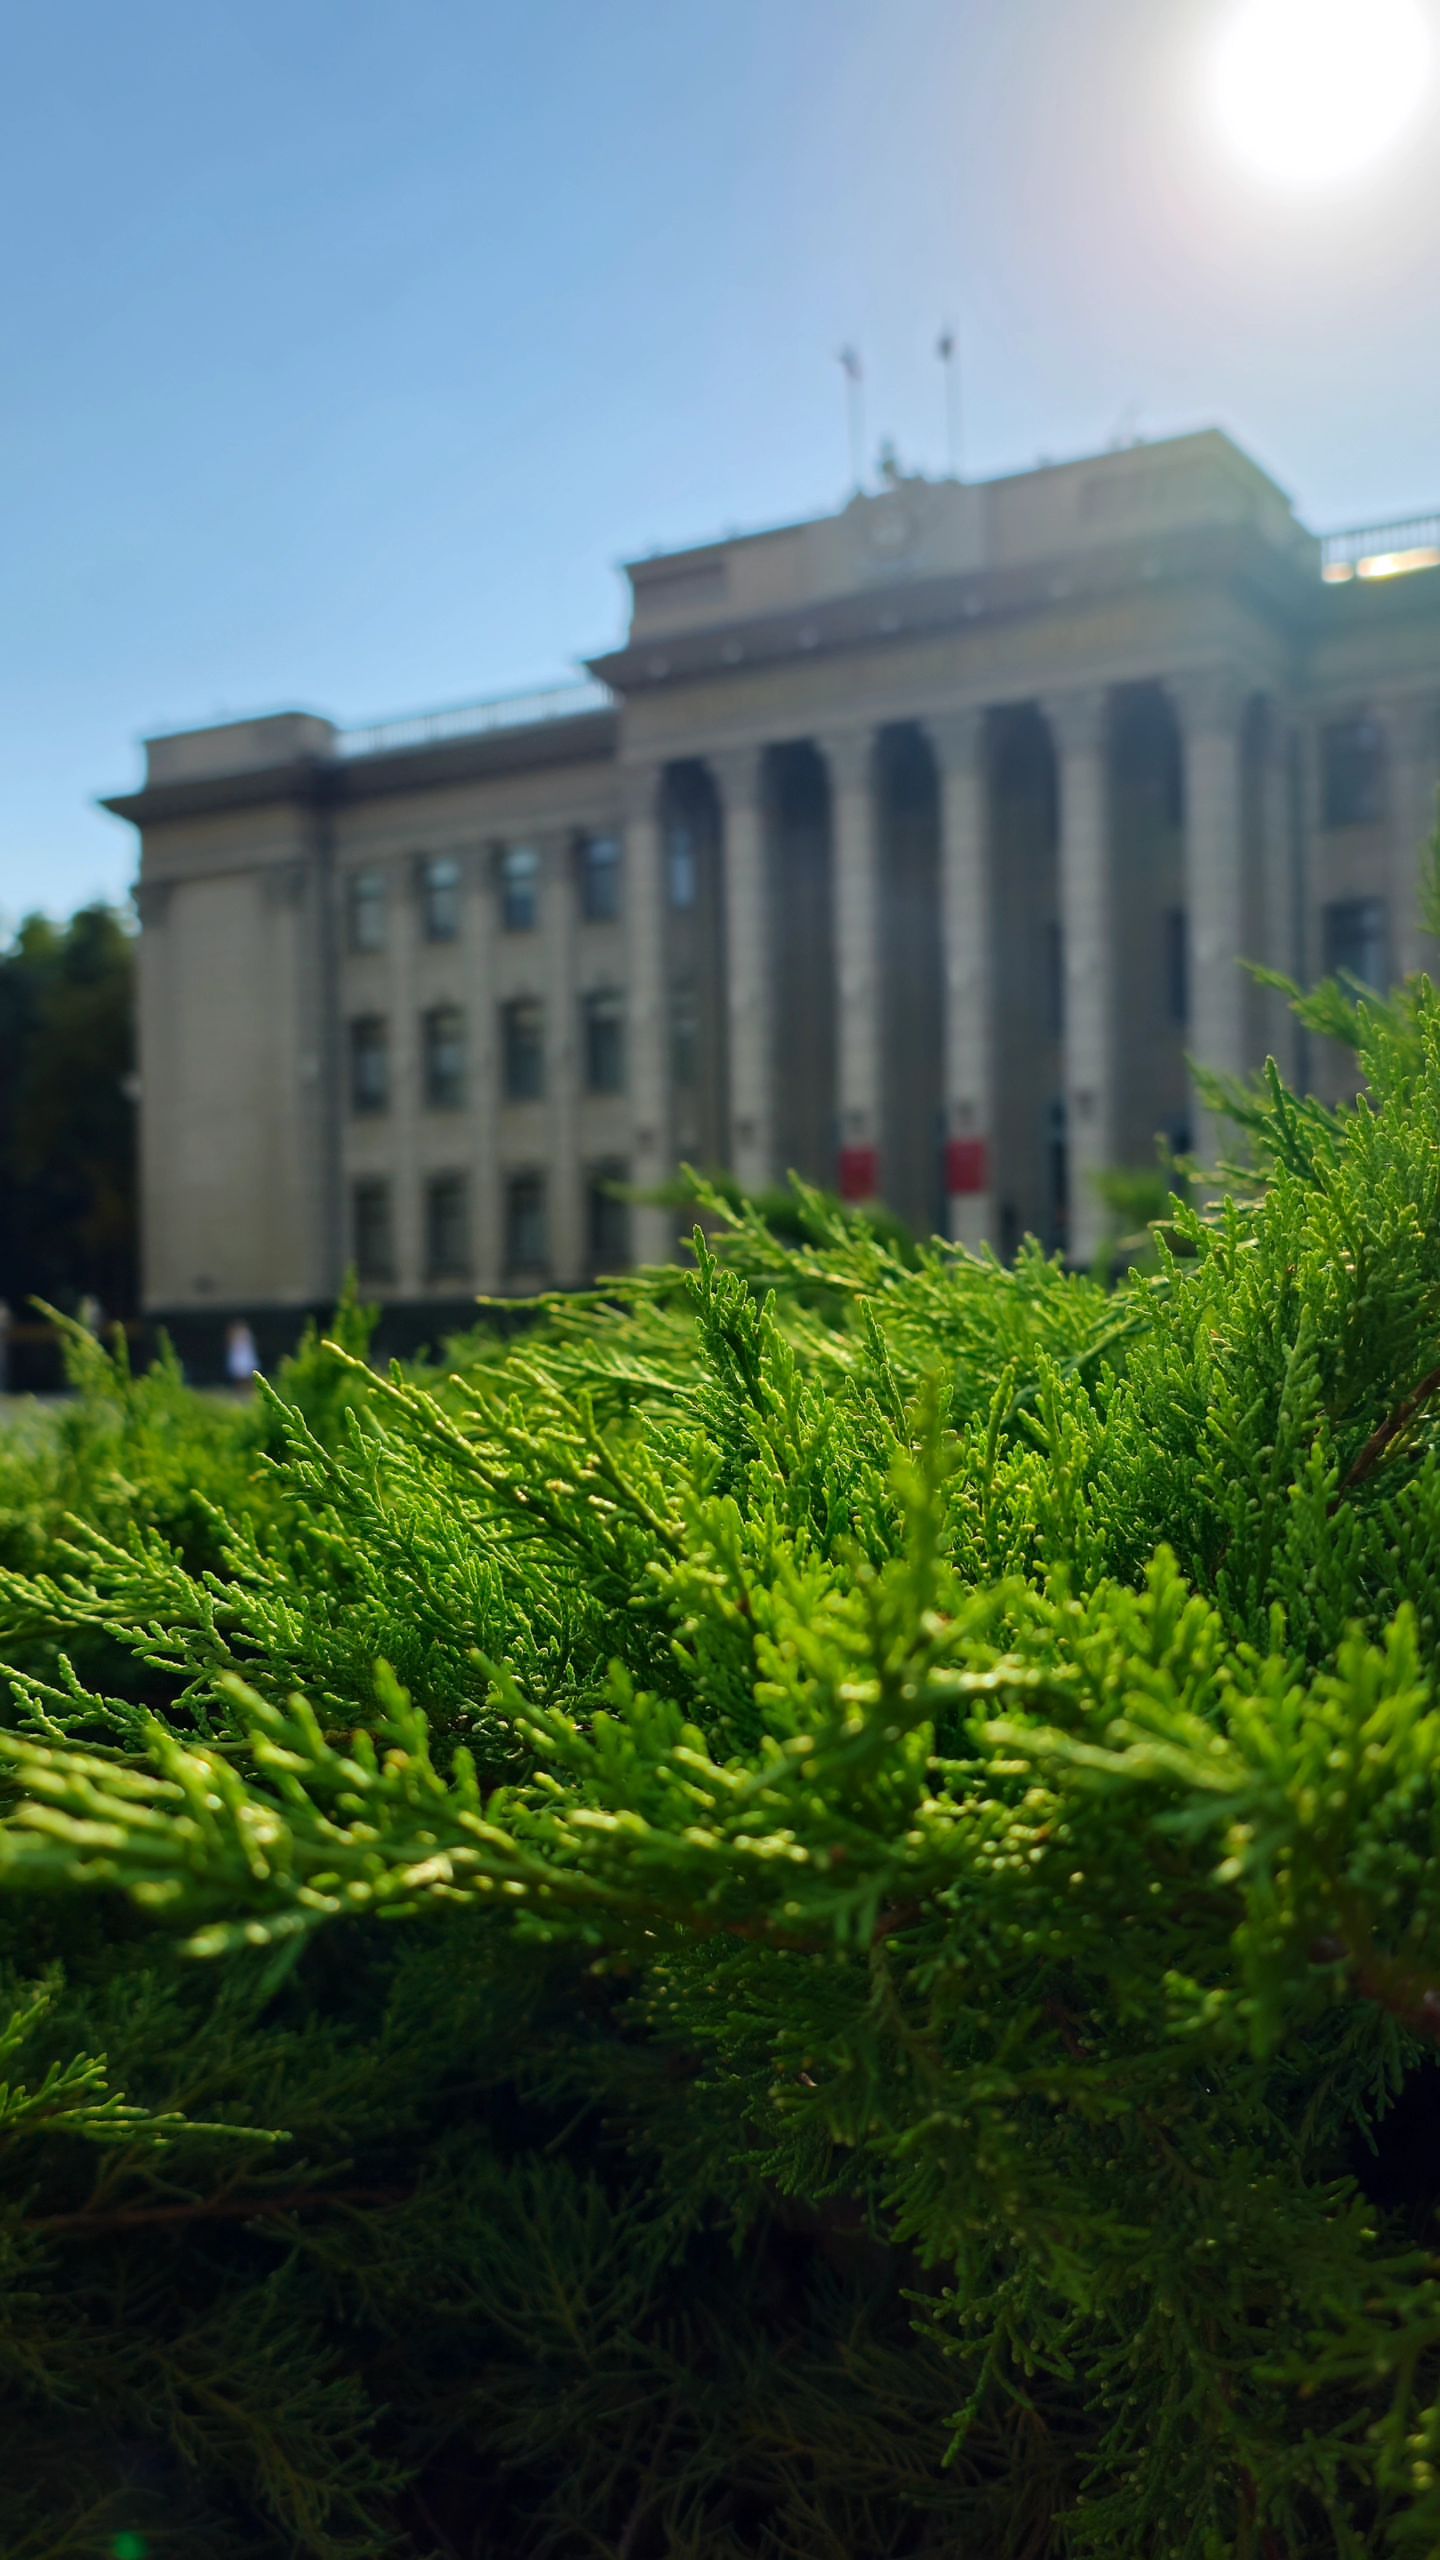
{"x":476,"y":719}
{"x":1382,"y":550}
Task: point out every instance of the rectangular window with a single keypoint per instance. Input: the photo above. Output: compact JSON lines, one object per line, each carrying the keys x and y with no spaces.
{"x":519,"y":873}
{"x":522,"y":1049}
{"x":1357,"y":941}
{"x":365,"y":911}
{"x":369,"y":1063}
{"x":607,"y":1218}
{"x":684,"y":1036}
{"x":1177,"y":965}
{"x":599,"y":860}
{"x":526,"y":1245}
{"x":603,"y":1021}
{"x":447,"y":1227}
{"x":1352,"y":773}
{"x":680,"y":866}
{"x":440,"y":897}
{"x":371,"y":1242}
{"x":443,"y":1051}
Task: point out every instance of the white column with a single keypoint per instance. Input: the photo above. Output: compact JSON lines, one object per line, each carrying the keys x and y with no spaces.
{"x":855,"y":853}
{"x":1079,"y":723}
{"x":738,"y":775}
{"x":1412,"y":729}
{"x":647,"y":1063}
{"x":967,"y":933}
{"x":1210,"y":708}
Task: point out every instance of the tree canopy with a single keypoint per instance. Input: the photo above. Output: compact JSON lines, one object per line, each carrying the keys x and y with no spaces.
{"x":67,"y":1134}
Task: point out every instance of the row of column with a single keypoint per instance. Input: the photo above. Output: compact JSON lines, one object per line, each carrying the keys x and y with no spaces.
{"x":1210,"y":710}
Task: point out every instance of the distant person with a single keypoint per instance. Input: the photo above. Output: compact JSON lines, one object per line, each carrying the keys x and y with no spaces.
{"x":90,"y":1313}
{"x":6,"y":1320}
{"x":241,"y":1357}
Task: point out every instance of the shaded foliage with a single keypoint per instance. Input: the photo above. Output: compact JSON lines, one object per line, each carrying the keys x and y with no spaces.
{"x":798,"y":1915}
{"x":67,"y":1138}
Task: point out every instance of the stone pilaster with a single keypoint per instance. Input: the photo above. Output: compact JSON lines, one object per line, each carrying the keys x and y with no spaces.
{"x":1080,"y":725}
{"x":967,"y":930}
{"x":1211,"y":707}
{"x":738,"y":777}
{"x":647,"y":1025}
{"x":1412,"y":729}
{"x":850,"y":758}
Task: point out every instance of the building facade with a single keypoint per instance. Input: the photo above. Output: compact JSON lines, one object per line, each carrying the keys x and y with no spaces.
{"x":915,"y":848}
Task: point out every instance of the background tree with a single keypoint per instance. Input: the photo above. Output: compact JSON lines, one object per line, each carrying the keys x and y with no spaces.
{"x":67,"y":1134}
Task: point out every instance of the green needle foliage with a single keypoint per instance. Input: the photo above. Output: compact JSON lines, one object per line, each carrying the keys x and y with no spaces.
{"x":799,"y":1916}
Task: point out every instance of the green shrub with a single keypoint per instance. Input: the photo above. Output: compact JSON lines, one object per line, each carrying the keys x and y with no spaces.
{"x":823,"y":1924}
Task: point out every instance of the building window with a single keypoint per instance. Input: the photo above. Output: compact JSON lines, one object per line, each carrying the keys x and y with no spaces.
{"x":599,"y":859}
{"x":447,"y":1227}
{"x":680,"y":865}
{"x":369,"y":1063}
{"x":684,"y":1036}
{"x":603,"y":1017}
{"x":1177,"y":965}
{"x":365,"y":910}
{"x":522,"y":1049}
{"x":440,"y":897}
{"x":443,"y":1051}
{"x":607,"y":1218}
{"x":526,"y":1248}
{"x":371,"y":1241}
{"x":1357,"y":941}
{"x":519,"y":867}
{"x":1352,"y":772}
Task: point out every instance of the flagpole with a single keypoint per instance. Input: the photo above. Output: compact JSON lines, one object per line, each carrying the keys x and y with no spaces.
{"x":852,"y":369}
{"x":945,"y":350}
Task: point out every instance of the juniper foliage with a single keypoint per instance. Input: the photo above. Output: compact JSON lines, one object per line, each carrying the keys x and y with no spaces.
{"x":821,"y":1899}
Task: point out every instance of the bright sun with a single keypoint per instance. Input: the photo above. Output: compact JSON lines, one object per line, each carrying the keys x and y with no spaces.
{"x":1310,"y":90}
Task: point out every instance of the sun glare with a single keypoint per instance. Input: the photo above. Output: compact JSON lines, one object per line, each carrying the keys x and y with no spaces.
{"x":1313,"y":90}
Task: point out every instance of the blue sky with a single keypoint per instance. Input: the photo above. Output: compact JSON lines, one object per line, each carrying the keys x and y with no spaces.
{"x":348,"y":348}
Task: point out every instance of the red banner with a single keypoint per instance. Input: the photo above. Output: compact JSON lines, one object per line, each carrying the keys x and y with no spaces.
{"x":859,"y":1173}
{"x":967,"y":1167}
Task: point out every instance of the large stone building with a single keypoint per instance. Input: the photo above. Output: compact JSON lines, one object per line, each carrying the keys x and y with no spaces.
{"x":915,"y":848}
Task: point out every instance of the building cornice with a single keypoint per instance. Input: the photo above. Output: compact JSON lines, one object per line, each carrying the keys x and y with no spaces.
{"x":913,"y":608}
{"x":324,"y":782}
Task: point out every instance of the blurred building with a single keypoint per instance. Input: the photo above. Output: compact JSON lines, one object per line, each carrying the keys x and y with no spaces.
{"x":913,"y":848}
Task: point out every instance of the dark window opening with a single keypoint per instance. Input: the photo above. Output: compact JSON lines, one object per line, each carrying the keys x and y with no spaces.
{"x":599,"y":858}
{"x":440,"y":897}
{"x":607,"y":1219}
{"x":443,"y":1049}
{"x":1357,"y":941}
{"x":366,"y":911}
{"x":519,"y":888}
{"x":371,"y":1239}
{"x":526,"y":1248}
{"x":447,"y":1227}
{"x":369,"y":1063}
{"x":681,"y":866}
{"x":604,"y":1042}
{"x":522,"y":1049}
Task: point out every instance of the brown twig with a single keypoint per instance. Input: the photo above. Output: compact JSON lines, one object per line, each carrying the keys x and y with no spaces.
{"x":1390,"y":1429}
